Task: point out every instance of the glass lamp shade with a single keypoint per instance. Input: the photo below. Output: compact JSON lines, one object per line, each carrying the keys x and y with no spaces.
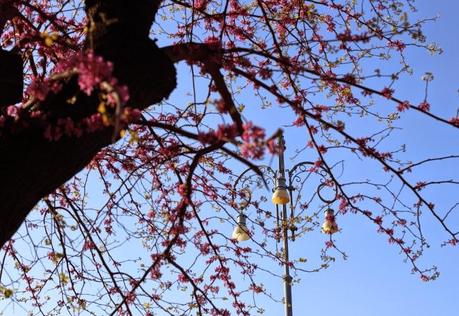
{"x":240,"y":233}
{"x":281,"y":196}
{"x":329,"y":226}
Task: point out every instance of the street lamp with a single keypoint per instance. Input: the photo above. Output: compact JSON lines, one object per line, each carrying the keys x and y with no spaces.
{"x":282,"y":196}
{"x":241,"y":232}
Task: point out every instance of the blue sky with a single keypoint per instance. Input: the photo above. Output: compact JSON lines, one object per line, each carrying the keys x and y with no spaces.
{"x":375,"y":280}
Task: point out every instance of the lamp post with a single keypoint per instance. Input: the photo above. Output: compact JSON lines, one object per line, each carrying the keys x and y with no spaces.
{"x":282,"y":196}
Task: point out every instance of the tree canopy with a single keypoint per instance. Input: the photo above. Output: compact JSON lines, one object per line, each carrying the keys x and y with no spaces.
{"x":130,"y":190}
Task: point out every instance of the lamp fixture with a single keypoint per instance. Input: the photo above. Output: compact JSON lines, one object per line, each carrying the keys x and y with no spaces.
{"x":241,"y":232}
{"x":281,"y":196}
{"x":329,"y":226}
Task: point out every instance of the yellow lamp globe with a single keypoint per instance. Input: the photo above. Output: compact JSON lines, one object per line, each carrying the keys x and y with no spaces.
{"x":280,"y":196}
{"x":329,"y":226}
{"x":241,"y":232}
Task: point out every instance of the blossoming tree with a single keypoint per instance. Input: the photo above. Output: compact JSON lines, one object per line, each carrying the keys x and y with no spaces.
{"x":128,"y":189}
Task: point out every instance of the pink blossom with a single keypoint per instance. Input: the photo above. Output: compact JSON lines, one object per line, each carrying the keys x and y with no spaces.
{"x":12,"y":111}
{"x":455,"y":120}
{"x":403,"y":106}
{"x":253,"y":141}
{"x":92,"y":71}
{"x":387,"y":92}
{"x":424,"y":106}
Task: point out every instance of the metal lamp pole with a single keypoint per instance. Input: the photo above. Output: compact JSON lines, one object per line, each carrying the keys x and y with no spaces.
{"x":283,"y":195}
{"x":287,"y":277}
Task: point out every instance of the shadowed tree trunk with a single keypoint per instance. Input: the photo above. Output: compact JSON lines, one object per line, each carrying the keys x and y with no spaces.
{"x":30,"y":165}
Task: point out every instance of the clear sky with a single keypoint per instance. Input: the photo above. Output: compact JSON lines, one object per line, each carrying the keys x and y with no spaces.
{"x":375,"y":281}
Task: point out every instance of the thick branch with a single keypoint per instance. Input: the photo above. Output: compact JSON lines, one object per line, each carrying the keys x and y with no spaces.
{"x":7,"y":12}
{"x":11,"y":77}
{"x":32,"y":167}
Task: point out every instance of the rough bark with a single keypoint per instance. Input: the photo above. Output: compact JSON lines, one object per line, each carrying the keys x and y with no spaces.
{"x":11,"y":78}
{"x":32,"y":167}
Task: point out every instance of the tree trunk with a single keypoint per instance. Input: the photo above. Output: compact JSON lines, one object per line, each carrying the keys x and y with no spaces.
{"x":32,"y":167}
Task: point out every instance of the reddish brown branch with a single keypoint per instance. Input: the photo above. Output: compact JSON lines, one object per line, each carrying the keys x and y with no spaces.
{"x":211,"y":58}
